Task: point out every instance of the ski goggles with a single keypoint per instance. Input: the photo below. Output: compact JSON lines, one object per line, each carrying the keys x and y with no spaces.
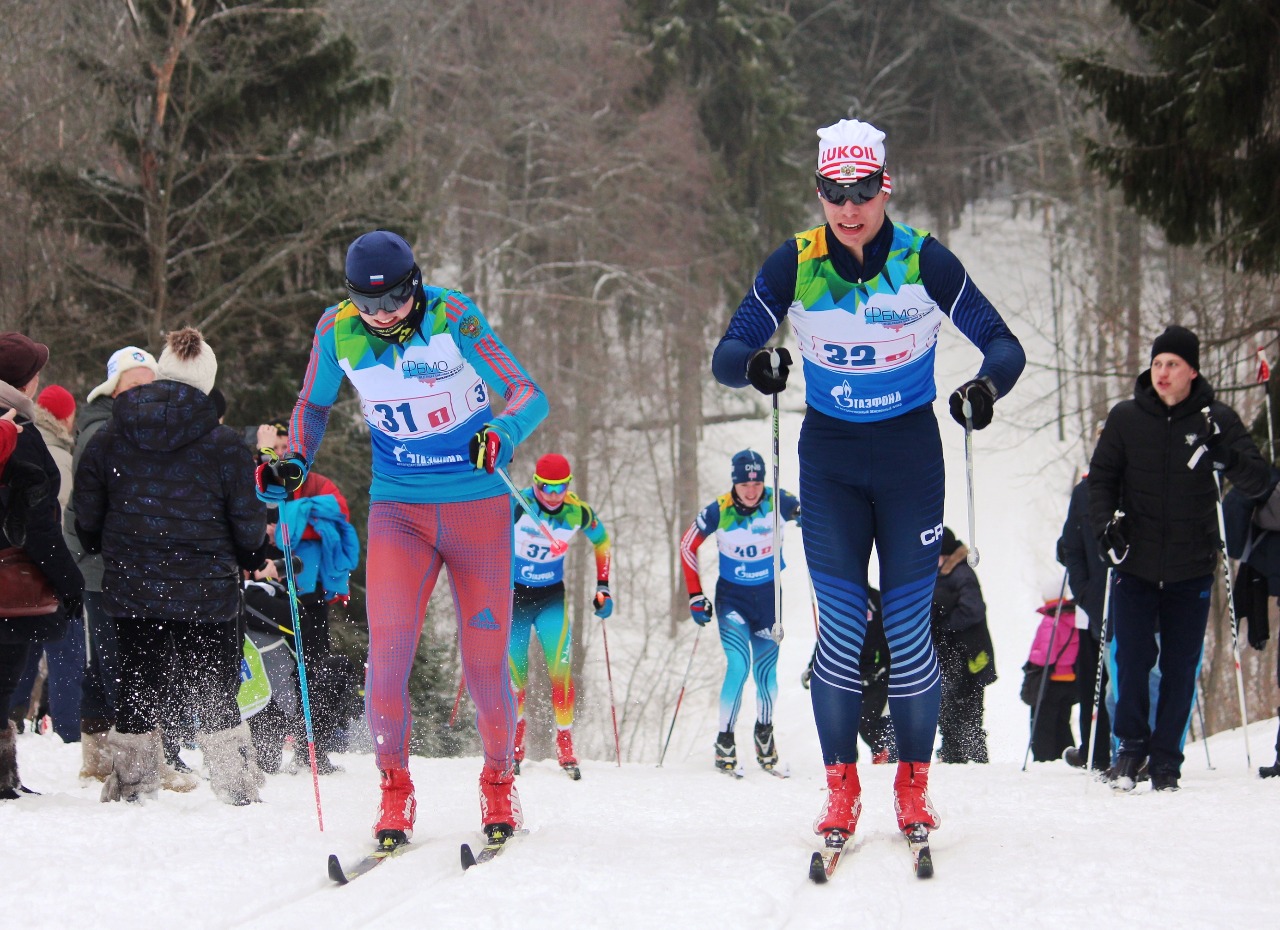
{"x":553,"y":487}
{"x":859,"y":191}
{"x":387,"y":300}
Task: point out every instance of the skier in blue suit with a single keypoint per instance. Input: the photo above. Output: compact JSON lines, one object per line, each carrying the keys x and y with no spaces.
{"x":866,"y":298}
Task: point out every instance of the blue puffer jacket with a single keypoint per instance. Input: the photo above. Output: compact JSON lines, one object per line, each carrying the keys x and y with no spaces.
{"x":167,"y":495}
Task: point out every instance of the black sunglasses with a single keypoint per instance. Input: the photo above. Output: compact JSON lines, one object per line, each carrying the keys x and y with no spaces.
{"x":859,"y":191}
{"x":389,"y":300}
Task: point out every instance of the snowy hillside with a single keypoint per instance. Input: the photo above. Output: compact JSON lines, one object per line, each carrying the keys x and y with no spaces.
{"x":684,"y":846}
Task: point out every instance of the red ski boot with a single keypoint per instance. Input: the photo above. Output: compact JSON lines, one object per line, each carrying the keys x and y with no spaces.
{"x":397,"y":809}
{"x":844,"y":801}
{"x":499,"y":800}
{"x":911,"y":797}
{"x":564,"y":754}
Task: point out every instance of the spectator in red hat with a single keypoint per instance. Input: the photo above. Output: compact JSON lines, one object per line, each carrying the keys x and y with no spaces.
{"x":56,"y":420}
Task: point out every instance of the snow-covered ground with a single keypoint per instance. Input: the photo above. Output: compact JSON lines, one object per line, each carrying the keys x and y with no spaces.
{"x":683,"y":846}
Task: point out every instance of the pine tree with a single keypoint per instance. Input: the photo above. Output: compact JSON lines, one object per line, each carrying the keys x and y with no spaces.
{"x":1198,"y":124}
{"x":223,"y":185}
{"x":731,"y":55}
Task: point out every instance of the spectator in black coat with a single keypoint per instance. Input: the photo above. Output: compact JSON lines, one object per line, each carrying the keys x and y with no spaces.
{"x":1153,"y":498}
{"x":1087,"y":576}
{"x":166,"y":494}
{"x":32,"y":522}
{"x":965,"y":654}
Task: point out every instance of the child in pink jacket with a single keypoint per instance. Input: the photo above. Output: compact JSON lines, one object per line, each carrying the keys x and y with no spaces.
{"x":1051,"y":733}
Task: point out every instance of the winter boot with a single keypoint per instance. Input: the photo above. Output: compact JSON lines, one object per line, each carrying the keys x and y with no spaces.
{"x":1164,"y":781}
{"x":564,"y":754}
{"x":911,"y":797}
{"x":11,"y":787}
{"x":499,"y":800}
{"x":324,"y":765}
{"x":844,"y":801}
{"x":135,"y":766}
{"x":175,"y":775}
{"x":95,"y":756}
{"x":766,"y":749}
{"x":1073,"y":757}
{"x":726,"y":752}
{"x":233,"y":766}
{"x":1124,"y":774}
{"x":1272,"y":771}
{"x":397,"y":808}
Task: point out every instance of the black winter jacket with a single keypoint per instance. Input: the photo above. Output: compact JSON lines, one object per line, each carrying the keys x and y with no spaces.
{"x":167,"y":495}
{"x":43,"y":541}
{"x":1078,"y":552}
{"x":957,"y":596}
{"x":1140,"y":468}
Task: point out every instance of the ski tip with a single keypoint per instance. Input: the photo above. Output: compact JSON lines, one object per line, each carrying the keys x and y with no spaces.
{"x":335,"y":870}
{"x":817,"y":869}
{"x":468,"y":857}
{"x":924,"y":865}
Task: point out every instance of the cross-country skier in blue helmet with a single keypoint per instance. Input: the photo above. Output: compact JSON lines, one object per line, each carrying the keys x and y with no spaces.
{"x":424,"y":361}
{"x":742,"y":522}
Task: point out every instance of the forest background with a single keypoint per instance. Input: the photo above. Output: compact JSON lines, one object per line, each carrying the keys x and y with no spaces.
{"x":604,"y":177}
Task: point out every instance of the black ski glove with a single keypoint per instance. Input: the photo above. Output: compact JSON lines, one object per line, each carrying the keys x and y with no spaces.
{"x":1112,"y":542}
{"x":981,"y":394}
{"x":762,"y":374}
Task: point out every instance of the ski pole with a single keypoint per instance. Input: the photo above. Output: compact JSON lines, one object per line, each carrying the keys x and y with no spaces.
{"x":302,"y":668}
{"x":1231,"y":610}
{"x":558,"y":546}
{"x":777,"y":632}
{"x":462,"y":683}
{"x":680,"y":698}
{"x":973,"y":557}
{"x":613,"y":707}
{"x":1204,"y":734}
{"x":1102,"y":659}
{"x":1264,"y":377}
{"x":1048,"y":669}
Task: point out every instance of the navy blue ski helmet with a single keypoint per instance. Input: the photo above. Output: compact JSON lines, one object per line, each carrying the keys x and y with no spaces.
{"x":747,"y":466}
{"x":381,"y":274}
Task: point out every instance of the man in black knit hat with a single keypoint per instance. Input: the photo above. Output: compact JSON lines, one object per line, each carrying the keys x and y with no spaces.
{"x":1153,"y":503}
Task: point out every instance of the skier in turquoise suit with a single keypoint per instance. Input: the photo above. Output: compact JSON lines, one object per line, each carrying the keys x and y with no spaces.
{"x":424,"y":362}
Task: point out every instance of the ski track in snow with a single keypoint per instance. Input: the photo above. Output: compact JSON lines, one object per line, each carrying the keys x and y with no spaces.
{"x":684,"y":846}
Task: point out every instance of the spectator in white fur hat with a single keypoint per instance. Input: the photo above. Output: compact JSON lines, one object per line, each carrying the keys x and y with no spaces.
{"x":188,"y":358}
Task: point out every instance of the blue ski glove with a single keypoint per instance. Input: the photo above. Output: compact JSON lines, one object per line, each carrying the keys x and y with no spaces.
{"x":275,"y":481}
{"x":700,"y":609}
{"x":603,"y":601}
